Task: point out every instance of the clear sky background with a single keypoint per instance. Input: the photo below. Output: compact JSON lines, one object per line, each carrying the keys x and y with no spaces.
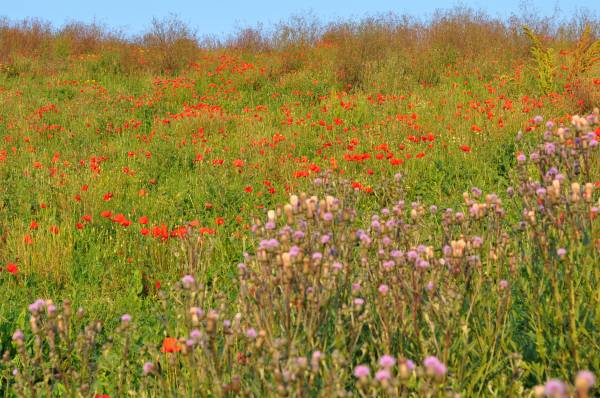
{"x":221,"y":17}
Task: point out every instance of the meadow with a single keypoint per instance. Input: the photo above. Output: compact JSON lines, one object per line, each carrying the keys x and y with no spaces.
{"x":383,"y":207}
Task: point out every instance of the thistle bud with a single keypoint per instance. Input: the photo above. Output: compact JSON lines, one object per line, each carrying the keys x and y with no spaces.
{"x":575,"y":192}
{"x":211,"y":322}
{"x":587,"y":192}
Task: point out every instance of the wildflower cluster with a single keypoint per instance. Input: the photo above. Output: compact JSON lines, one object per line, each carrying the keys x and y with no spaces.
{"x":491,"y":297}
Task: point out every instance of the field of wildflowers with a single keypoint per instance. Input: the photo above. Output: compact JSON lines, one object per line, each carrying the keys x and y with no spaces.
{"x":373,"y":208}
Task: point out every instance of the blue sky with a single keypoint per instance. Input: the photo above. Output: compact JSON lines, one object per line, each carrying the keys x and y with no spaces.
{"x":220,"y":17}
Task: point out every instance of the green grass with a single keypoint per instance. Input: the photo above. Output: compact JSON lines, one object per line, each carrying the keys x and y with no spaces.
{"x":109,"y":269}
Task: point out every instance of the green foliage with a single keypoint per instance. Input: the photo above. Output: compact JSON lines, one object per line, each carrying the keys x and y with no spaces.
{"x":543,"y":57}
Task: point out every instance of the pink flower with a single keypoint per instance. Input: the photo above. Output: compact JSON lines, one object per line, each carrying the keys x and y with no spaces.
{"x":361,"y":371}
{"x":387,"y":361}
{"x":434,"y":366}
{"x":382,"y":375}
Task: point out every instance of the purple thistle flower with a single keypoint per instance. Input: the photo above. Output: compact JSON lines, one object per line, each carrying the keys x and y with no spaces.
{"x":555,"y":388}
{"x":37,"y":305}
{"x":383,"y":289}
{"x":412,"y":255}
{"x":298,"y":235}
{"x":396,"y":253}
{"x":434,"y":366}
{"x":148,"y":368}
{"x":550,"y":148}
{"x":251,"y":333}
{"x":387,"y":361}
{"x":188,"y":281}
{"x":585,"y":380}
{"x":294,"y":251}
{"x":358,"y":301}
{"x":383,"y":375}
{"x":361,"y":371}
{"x":18,"y":335}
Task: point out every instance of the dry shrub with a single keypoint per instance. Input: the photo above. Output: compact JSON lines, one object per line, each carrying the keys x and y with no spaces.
{"x":357,"y":45}
{"x":472,"y":34}
{"x":28,"y":37}
{"x":83,"y":38}
{"x":249,"y":40}
{"x":171,"y":44}
{"x":360,"y":53}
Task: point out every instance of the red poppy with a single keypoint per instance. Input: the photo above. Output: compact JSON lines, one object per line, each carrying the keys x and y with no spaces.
{"x":12,"y":268}
{"x":170,"y":344}
{"x":465,"y":148}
